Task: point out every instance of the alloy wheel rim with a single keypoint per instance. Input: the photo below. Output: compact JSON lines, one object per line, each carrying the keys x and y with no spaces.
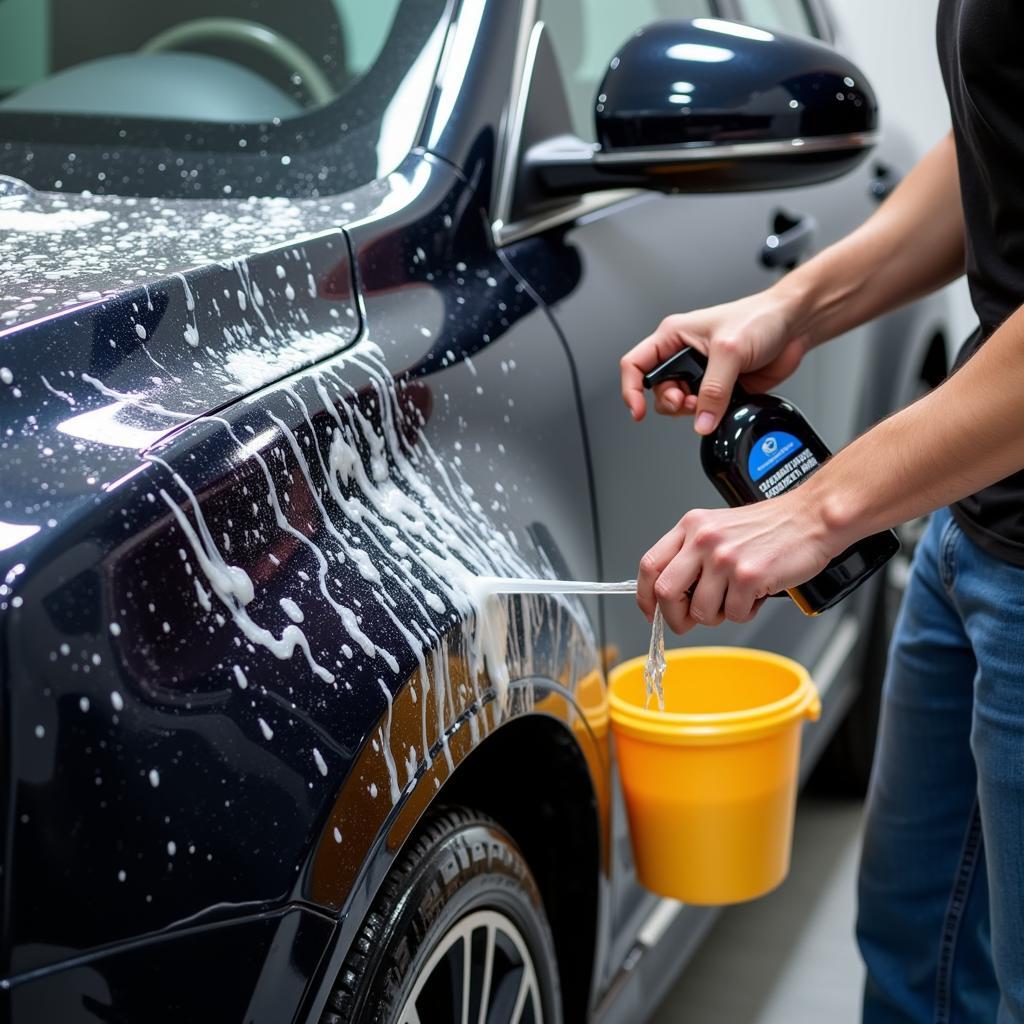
{"x":480,"y":971}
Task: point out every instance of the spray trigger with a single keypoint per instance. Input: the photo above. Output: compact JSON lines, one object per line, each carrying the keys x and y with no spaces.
{"x":687,"y":365}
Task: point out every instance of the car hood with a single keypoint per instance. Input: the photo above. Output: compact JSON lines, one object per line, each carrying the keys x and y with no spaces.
{"x":59,"y":252}
{"x":122,"y":319}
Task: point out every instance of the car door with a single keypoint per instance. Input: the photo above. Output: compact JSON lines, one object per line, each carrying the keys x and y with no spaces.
{"x":633,"y":259}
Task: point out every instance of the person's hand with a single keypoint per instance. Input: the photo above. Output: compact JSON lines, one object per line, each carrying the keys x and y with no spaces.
{"x":754,"y":339}
{"x":722,"y":564}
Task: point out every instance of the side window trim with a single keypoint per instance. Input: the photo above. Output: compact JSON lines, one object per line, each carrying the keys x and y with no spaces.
{"x":507,"y":163}
{"x":730,"y":9}
{"x":823,"y":23}
{"x":817,"y":11}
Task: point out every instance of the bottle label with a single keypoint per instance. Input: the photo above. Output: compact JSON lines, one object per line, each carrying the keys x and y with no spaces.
{"x":772,"y":450}
{"x":778,"y":461}
{"x":802,"y":464}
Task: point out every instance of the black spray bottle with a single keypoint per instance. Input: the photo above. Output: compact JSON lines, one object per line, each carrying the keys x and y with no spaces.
{"x":762,"y":448}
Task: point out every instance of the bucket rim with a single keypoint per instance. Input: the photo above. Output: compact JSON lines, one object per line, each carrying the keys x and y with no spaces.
{"x":651,"y":722}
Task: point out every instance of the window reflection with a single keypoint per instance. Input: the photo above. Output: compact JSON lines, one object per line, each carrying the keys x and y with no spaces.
{"x":112,"y":425}
{"x":213,"y":98}
{"x":731,"y":28}
{"x":700,"y":52}
{"x":12,"y":534}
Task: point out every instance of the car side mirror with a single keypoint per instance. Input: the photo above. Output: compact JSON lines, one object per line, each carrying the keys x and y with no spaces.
{"x":715,"y":106}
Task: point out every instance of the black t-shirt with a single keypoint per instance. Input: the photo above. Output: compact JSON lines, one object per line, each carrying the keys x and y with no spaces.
{"x":980,"y":46}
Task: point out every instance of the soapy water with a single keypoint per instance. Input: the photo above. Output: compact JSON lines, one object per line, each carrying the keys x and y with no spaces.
{"x":654,"y":670}
{"x":383,"y":515}
{"x":523,"y":585}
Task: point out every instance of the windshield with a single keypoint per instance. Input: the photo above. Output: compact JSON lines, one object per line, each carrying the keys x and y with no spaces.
{"x":213,"y":97}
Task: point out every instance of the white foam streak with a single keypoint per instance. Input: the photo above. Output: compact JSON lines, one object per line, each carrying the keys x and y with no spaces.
{"x":385,"y":746}
{"x":405,"y":520}
{"x":233,"y":586}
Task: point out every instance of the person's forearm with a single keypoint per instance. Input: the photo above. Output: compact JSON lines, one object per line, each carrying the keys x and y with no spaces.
{"x":966,"y":434}
{"x":911,"y":246}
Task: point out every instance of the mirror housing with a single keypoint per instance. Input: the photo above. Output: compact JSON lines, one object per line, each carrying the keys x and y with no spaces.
{"x":716,"y":106}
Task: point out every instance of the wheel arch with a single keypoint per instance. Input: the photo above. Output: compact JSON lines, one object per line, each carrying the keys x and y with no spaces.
{"x":550,"y":740}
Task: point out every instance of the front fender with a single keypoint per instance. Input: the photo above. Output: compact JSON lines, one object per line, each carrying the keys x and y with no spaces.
{"x":195,"y":663}
{"x":240,"y":651}
{"x":350,"y":879}
{"x":362,"y":834}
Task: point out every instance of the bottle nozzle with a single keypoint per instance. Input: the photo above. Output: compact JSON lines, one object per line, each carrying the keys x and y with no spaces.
{"x":687,"y":365}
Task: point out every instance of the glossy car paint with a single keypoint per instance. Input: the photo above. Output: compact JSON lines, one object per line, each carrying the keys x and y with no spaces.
{"x":738,"y":86}
{"x":250,"y":912}
{"x":252,"y":822}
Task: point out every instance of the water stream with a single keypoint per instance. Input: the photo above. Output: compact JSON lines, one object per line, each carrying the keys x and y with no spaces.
{"x":523,"y":585}
{"x":654,"y":670}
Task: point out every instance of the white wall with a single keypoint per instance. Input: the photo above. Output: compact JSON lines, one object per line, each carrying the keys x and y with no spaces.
{"x":894,"y":42}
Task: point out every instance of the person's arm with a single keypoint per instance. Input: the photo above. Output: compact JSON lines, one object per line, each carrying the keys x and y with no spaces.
{"x":913,"y":244}
{"x":966,"y":434}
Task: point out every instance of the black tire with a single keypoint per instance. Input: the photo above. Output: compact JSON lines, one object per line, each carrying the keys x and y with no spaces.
{"x":461,"y":879}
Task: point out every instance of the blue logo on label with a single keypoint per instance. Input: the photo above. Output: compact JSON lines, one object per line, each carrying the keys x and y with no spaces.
{"x":771,"y":451}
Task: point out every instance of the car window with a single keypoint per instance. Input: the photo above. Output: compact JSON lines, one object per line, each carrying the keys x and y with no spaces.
{"x":238,"y":77}
{"x":793,"y":16}
{"x":293,"y":56}
{"x":587,"y":33}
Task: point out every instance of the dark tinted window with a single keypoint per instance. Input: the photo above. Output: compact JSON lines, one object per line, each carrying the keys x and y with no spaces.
{"x":212,"y":97}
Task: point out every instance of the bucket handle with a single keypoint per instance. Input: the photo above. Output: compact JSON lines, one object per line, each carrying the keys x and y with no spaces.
{"x":813,"y":711}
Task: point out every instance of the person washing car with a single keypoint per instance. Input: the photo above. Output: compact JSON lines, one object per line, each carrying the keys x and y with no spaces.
{"x":941,"y":918}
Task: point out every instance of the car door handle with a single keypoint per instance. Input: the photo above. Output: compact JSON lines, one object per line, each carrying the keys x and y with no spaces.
{"x":790,"y":240}
{"x":884,"y":183}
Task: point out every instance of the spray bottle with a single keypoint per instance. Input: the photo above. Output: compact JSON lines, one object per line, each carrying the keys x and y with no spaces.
{"x":762,"y":448}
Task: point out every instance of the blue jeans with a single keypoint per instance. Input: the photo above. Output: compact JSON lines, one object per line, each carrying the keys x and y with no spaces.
{"x":941,"y":920}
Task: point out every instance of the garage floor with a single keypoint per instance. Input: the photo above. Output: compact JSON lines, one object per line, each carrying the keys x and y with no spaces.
{"x":791,"y":957}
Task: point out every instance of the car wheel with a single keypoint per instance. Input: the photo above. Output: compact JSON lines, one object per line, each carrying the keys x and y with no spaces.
{"x":458,"y":933}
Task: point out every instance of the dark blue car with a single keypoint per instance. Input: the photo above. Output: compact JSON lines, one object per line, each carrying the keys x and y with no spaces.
{"x":310,"y":316}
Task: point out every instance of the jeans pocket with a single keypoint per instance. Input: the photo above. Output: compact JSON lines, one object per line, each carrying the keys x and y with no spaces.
{"x":951,"y":533}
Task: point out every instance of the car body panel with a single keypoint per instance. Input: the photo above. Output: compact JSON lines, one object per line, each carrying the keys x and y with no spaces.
{"x":94,"y":382}
{"x":283,"y":949}
{"x":200,"y":797}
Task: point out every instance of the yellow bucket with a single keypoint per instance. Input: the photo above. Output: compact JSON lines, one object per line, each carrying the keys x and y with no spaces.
{"x":710,"y":782}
